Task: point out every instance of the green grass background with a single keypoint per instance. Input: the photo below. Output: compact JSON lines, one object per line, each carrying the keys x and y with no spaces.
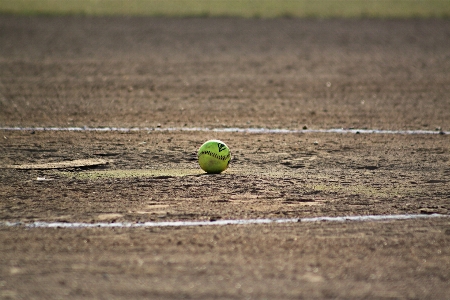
{"x":240,"y":8}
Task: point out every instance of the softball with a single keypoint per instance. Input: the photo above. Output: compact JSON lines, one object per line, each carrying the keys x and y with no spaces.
{"x":214,"y":156}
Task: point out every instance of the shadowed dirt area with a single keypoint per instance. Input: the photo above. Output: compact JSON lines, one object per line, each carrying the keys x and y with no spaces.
{"x":158,"y":73}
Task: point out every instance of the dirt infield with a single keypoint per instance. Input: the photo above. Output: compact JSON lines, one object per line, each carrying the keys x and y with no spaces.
{"x":161,"y":73}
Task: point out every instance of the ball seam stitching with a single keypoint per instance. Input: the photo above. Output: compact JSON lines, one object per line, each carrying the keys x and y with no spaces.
{"x":221,"y":157}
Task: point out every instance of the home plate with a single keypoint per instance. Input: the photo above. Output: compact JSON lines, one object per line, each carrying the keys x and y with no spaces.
{"x":59,"y":165}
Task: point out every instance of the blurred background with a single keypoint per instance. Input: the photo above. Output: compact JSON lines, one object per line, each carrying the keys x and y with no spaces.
{"x":242,"y":8}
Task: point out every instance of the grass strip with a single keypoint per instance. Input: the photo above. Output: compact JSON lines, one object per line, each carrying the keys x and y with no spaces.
{"x":236,"y":8}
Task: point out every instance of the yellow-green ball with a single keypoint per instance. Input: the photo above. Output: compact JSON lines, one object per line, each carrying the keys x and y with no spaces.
{"x":214,"y":156}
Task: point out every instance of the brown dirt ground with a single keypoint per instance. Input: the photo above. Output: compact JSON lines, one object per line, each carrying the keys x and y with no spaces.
{"x":284,"y":73}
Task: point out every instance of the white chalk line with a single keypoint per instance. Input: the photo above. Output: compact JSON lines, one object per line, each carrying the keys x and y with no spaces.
{"x":39,"y":224}
{"x":224,"y":130}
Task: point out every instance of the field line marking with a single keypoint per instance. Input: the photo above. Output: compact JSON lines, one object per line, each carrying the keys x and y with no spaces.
{"x":39,"y":224}
{"x":224,"y":130}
